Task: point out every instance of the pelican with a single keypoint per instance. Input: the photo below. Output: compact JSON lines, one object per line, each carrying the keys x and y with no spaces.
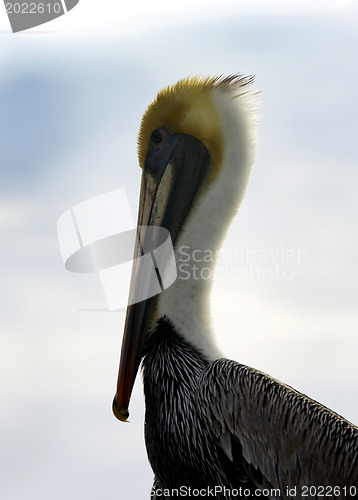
{"x":214,"y":427}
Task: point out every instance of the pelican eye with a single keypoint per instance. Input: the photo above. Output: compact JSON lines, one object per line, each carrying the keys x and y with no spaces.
{"x":157,"y":136}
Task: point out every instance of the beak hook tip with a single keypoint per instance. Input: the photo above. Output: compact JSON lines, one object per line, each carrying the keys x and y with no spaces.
{"x":121,"y":414}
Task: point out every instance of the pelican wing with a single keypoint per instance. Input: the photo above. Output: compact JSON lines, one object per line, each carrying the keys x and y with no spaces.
{"x":273,"y":434}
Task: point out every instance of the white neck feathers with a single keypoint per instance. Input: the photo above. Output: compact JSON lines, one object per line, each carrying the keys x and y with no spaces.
{"x":186,"y":302}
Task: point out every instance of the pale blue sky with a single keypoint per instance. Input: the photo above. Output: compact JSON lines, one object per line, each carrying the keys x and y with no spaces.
{"x":70,"y":110}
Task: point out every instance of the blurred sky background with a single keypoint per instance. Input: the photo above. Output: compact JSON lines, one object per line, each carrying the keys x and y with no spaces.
{"x":72,"y":93}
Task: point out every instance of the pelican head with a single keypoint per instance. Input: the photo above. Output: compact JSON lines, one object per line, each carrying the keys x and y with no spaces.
{"x":196,"y":147}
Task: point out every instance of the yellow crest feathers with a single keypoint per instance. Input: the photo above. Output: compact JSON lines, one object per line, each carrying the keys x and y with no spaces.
{"x":188,"y":107}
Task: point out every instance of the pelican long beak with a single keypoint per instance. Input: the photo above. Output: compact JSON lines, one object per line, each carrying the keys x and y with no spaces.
{"x":173,"y":173}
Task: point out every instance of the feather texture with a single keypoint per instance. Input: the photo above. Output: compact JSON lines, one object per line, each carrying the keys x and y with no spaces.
{"x":291,"y":439}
